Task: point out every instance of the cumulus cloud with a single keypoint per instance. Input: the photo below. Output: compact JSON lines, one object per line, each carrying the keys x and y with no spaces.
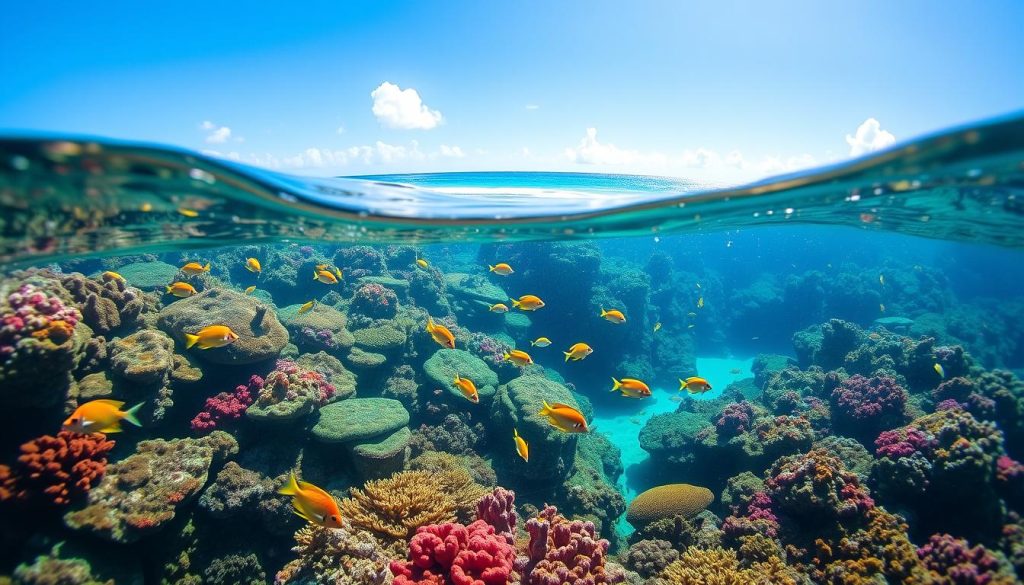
{"x":215,"y":134}
{"x":869,"y":137}
{"x":452,"y":151}
{"x":401,"y":108}
{"x":590,"y":151}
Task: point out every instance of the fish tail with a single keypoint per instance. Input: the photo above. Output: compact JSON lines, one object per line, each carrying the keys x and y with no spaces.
{"x":516,"y":304}
{"x":567,"y":355}
{"x":292,"y":488}
{"x":207,"y":267}
{"x":168,"y":288}
{"x":490,"y":268}
{"x":456,"y":381}
{"x":315,"y":275}
{"x":603,"y":312}
{"x":545,"y":409}
{"x":515,"y":432}
{"x":129,"y":415}
{"x":533,"y":343}
{"x":616,"y":384}
{"x":681,"y":384}
{"x":506,"y":356}
{"x":190,"y":340}
{"x":430,"y":323}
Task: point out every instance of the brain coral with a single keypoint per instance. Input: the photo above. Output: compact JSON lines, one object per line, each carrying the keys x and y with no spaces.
{"x":666,"y":501}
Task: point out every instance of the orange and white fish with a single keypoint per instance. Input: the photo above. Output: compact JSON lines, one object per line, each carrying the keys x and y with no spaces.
{"x":181,"y":289}
{"x":422,"y":263}
{"x":111,"y":275}
{"x":101,"y":416}
{"x":312,"y":503}
{"x":194,"y":268}
{"x":521,"y":447}
{"x":631,"y":388}
{"x":518,"y":357}
{"x":613,"y":316}
{"x":578,"y":351}
{"x":499,"y":308}
{"x":441,"y":334}
{"x":694,"y":385}
{"x":467,"y":388}
{"x":249,"y":289}
{"x":564,"y":418}
{"x":501,"y":269}
{"x":325,"y":276}
{"x":307,"y":306}
{"x":541,"y":342}
{"x":528,"y":303}
{"x":253,"y":265}
{"x":210,"y":337}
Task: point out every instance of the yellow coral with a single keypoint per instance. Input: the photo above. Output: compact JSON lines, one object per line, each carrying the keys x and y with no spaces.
{"x":718,"y":566}
{"x":666,"y":501}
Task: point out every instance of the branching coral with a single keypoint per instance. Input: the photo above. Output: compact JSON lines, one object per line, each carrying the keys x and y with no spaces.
{"x":56,"y":470}
{"x":720,"y":566}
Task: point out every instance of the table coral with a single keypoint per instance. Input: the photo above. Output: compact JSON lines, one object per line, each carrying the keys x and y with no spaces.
{"x":56,"y":470}
{"x":453,"y":554}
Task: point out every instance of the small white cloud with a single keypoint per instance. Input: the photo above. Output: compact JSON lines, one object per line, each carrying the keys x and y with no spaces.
{"x":869,"y":138}
{"x":592,"y":152}
{"x":532,"y":107}
{"x":207,"y":125}
{"x":401,"y":108}
{"x":215,"y":134}
{"x":340,"y":130}
{"x":452,"y":151}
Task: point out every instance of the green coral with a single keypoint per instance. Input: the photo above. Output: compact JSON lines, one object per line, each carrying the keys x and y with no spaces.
{"x":383,"y":339}
{"x":381,"y":456}
{"x":358,"y":419}
{"x":445,"y":364}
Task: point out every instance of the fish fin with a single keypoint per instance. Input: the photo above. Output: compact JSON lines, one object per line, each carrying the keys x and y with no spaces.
{"x":114,"y":428}
{"x":301,"y":514}
{"x":545,"y":409}
{"x":168,"y":288}
{"x":533,"y":343}
{"x":682,"y":384}
{"x":616,"y":384}
{"x":430,"y":323}
{"x":315,"y":275}
{"x":456,"y":380}
{"x":562,"y":405}
{"x":562,"y":428}
{"x":292,"y":488}
{"x":115,"y":403}
{"x":129,"y":415}
{"x":515,"y":432}
{"x":190,"y":340}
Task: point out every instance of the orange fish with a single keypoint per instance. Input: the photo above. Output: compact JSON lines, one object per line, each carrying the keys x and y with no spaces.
{"x":564,"y":418}
{"x":528,"y":303}
{"x":194,"y":268}
{"x":501,"y":269}
{"x":578,"y":351}
{"x":694,"y":385}
{"x":519,"y":357}
{"x":253,"y":265}
{"x":111,"y":275}
{"x":631,"y":388}
{"x":422,"y":263}
{"x":441,"y":334}
{"x":613,"y":316}
{"x":499,"y":308}
{"x":325,"y":277}
{"x":312,"y":503}
{"x":521,"y":447}
{"x":101,"y":416}
{"x":468,"y":389}
{"x":210,"y":337}
{"x":181,"y":289}
{"x":249,"y":289}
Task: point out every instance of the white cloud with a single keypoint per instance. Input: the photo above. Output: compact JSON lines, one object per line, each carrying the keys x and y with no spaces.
{"x":592,"y":152}
{"x":215,"y":134}
{"x":340,"y":130}
{"x":532,"y":107}
{"x":401,"y":108}
{"x":452,"y":151}
{"x":868,"y":138}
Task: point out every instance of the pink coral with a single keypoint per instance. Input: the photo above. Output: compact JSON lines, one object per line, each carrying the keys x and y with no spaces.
{"x":33,"y":314}
{"x":563,"y":551}
{"x":375,"y":301}
{"x":453,"y":554}
{"x":735,"y":419}
{"x":863,"y":406}
{"x":56,"y":469}
{"x":498,"y":509}
{"x":955,"y":562}
{"x":227,"y":405}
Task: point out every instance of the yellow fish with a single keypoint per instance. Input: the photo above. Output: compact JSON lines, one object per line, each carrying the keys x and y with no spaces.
{"x":101,"y":416}
{"x":194,"y":268}
{"x":188,"y":212}
{"x":578,"y":351}
{"x":657,"y":326}
{"x":441,"y":334}
{"x":499,"y":308}
{"x":519,"y":357}
{"x":306,"y":307}
{"x":249,"y":289}
{"x":320,"y":267}
{"x":939,"y":370}
{"x":564,"y":418}
{"x":181,"y":289}
{"x":468,"y":389}
{"x":613,"y":316}
{"x":881,"y":308}
{"x":146,"y":207}
{"x":111,"y":275}
{"x":325,"y":277}
{"x":528,"y":303}
{"x":210,"y":337}
{"x":700,"y":303}
{"x":501,"y":269}
{"x":253,"y":265}
{"x":337,"y":272}
{"x":631,"y":388}
{"x":881,"y":279}
{"x":694,"y":385}
{"x":422,"y":263}
{"x":521,"y":447}
{"x":541,"y":342}
{"x":312,"y":503}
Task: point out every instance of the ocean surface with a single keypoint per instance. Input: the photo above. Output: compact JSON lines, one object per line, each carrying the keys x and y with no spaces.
{"x":609,"y":378}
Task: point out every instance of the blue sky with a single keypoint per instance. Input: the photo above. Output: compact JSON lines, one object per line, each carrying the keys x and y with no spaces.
{"x":722,"y":89}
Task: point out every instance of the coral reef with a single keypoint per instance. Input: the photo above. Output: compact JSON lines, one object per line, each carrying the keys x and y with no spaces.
{"x":336,"y":555}
{"x":699,"y":566}
{"x":861,"y":407}
{"x":56,"y":470}
{"x":565,"y":551}
{"x":227,"y":406}
{"x":457,"y":555}
{"x":289,"y":393}
{"x":953,"y":561}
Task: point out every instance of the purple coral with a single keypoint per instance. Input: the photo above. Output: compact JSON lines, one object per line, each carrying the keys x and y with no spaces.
{"x":863,"y":406}
{"x":31,"y":314}
{"x":227,"y":406}
{"x":735,"y":419}
{"x":563,"y":551}
{"x":498,"y":509}
{"x":960,"y":564}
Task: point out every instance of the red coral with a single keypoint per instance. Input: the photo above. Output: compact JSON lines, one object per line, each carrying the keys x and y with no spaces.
{"x":56,"y":469}
{"x":227,"y":405}
{"x":453,"y":554}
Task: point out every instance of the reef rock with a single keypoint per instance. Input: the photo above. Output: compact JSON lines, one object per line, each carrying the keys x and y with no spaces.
{"x":321,"y":328}
{"x":358,"y":419}
{"x":445,"y":364}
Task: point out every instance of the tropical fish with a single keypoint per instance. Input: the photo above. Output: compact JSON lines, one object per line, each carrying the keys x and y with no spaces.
{"x":528,"y":303}
{"x":700,"y":303}
{"x":613,"y":316}
{"x":578,"y":351}
{"x":468,"y":389}
{"x":694,"y":385}
{"x":518,"y":357}
{"x":441,"y":334}
{"x":312,"y":503}
{"x":631,"y":388}
{"x":146,"y":207}
{"x":521,"y":447}
{"x":111,"y":275}
{"x":499,"y":308}
{"x":501,"y":269}
{"x":253,"y":265}
{"x":325,"y":277}
{"x":101,"y":416}
{"x":337,"y":273}
{"x":881,"y":279}
{"x":874,"y":336}
{"x":188,"y":212}
{"x":881,"y":308}
{"x":194,"y":268}
{"x":181,"y":289}
{"x":250,"y":289}
{"x":211,"y":336}
{"x":422,"y":263}
{"x":657,"y":326}
{"x":564,"y":418}
{"x":307,"y":306}
{"x":320,"y":267}
{"x":541,"y":342}
{"x":939,"y":370}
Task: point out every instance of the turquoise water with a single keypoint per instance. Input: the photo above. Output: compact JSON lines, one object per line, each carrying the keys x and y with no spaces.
{"x":859,"y":326}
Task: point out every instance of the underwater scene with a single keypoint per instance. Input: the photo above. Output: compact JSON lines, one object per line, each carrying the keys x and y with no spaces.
{"x":215,"y":374}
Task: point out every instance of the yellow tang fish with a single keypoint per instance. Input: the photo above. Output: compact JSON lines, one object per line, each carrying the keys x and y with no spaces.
{"x":700,"y":303}
{"x":101,"y":416}
{"x":501,"y":269}
{"x":521,"y":447}
{"x":657,"y":326}
{"x":249,"y":289}
{"x":694,"y":385}
{"x":253,"y":265}
{"x":939,"y":370}
{"x":307,"y":307}
{"x":111,"y":275}
{"x":631,"y":388}
{"x":422,"y":263}
{"x":578,"y":351}
{"x":467,"y":388}
{"x":564,"y":418}
{"x":541,"y":342}
{"x":194,"y":268}
{"x":325,"y":277}
{"x":312,"y":503}
{"x":188,"y":212}
{"x":613,"y":316}
{"x":499,"y":308}
{"x":528,"y":303}
{"x":210,"y":337}
{"x":440,"y":334}
{"x":181,"y":289}
{"x":518,"y":357}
